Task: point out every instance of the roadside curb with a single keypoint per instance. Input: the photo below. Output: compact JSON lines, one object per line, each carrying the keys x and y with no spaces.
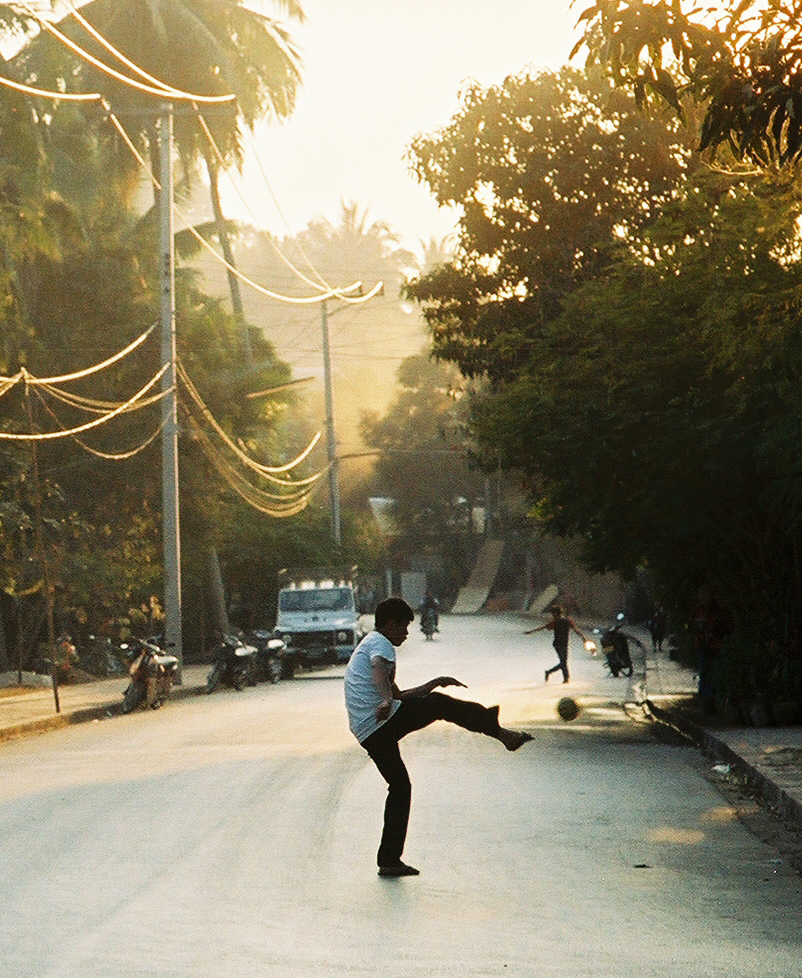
{"x":67,"y":718}
{"x":786,"y":805}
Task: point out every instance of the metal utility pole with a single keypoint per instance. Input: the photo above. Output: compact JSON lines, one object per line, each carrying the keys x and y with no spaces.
{"x":331,"y":438}
{"x":170,"y":520}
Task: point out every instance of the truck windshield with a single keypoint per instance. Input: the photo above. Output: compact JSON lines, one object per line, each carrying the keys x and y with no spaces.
{"x":317,"y":599}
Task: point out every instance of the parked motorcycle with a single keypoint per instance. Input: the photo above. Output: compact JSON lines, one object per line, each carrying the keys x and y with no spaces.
{"x":269,"y":654}
{"x":234,"y":664}
{"x":615,"y":646}
{"x":152,"y":673}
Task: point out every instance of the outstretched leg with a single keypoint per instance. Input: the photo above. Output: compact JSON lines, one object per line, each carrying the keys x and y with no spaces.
{"x":416,"y":713}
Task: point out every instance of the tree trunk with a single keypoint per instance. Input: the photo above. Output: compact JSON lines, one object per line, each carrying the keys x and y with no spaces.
{"x":228,"y":254}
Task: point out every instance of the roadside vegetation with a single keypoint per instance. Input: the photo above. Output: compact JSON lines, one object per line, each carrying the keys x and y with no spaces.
{"x":79,"y":269}
{"x":628,"y":311}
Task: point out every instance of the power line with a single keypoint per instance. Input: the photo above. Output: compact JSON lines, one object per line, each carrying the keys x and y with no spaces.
{"x":78,"y":375}
{"x":162,"y":91}
{"x":291,"y":300}
{"x":268,"y":471}
{"x":109,"y":456}
{"x":177,"y":93}
{"x":323,"y":286}
{"x":258,"y":499}
{"x":55,"y":96}
{"x":50,"y":435}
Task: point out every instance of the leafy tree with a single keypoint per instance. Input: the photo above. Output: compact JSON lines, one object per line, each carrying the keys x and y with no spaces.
{"x":208,"y":47}
{"x":648,"y":402}
{"x":740,"y":59}
{"x":552,"y":171}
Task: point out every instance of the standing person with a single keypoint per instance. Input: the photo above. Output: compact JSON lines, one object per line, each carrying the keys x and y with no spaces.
{"x":657,"y":627}
{"x":380,"y":714}
{"x":430,"y":607}
{"x":562,"y":626}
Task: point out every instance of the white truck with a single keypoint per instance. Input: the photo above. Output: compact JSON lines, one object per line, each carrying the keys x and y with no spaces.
{"x":318,"y":616}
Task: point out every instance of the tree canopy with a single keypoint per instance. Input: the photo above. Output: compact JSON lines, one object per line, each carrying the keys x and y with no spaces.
{"x":636,"y":335}
{"x":740,"y":59}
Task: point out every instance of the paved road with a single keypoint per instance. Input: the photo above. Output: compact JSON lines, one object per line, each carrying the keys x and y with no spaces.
{"x":235,"y":836}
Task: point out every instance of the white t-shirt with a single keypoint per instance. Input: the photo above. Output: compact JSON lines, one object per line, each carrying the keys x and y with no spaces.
{"x":361,"y":696}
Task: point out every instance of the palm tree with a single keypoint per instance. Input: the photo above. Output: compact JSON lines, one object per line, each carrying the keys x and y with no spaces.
{"x":207,"y":47}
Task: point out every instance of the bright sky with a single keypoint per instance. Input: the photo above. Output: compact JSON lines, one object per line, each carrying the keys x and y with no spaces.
{"x":376,"y":73}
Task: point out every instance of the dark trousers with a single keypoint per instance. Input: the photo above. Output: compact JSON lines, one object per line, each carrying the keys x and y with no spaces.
{"x":415,"y":713}
{"x":562,"y":655}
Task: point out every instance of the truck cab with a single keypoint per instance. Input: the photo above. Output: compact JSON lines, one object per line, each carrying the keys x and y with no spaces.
{"x":318,"y":617}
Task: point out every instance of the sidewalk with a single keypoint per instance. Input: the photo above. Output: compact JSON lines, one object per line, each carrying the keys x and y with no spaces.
{"x":770,"y":758}
{"x":34,"y":710}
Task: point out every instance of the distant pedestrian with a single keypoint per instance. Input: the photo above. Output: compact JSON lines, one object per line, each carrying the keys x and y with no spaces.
{"x":380,"y":714}
{"x":562,"y":626}
{"x":657,"y":627}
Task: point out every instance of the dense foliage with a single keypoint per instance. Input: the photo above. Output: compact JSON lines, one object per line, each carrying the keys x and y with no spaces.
{"x":79,"y":264}
{"x":635,"y":320}
{"x":740,"y":59}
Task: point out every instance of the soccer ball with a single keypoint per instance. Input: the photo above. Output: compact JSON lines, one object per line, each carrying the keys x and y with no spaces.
{"x":568,"y":708}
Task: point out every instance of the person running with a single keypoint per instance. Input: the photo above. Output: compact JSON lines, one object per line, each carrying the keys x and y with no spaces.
{"x":562,"y":626}
{"x":380,"y":715}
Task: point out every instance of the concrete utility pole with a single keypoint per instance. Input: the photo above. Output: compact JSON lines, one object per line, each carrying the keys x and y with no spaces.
{"x":331,"y":437}
{"x":170,"y":520}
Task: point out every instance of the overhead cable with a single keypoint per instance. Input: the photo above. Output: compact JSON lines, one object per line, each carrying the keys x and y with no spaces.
{"x":30,"y":379}
{"x":104,"y":42}
{"x":257,"y":499}
{"x":163,"y":91}
{"x":267,"y":470}
{"x":322,"y":285}
{"x":50,"y":435}
{"x":91,"y":405}
{"x":8,"y":383}
{"x":109,"y":456}
{"x":55,"y":96}
{"x":291,"y":300}
{"x":298,"y":245}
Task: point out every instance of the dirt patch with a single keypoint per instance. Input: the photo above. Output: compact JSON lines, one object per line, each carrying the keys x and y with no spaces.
{"x":15,"y":691}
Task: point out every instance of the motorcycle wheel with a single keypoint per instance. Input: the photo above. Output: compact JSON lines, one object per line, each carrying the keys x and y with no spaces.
{"x":240,"y":681}
{"x":133,"y":697}
{"x":274,"y":670}
{"x":214,"y":677}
